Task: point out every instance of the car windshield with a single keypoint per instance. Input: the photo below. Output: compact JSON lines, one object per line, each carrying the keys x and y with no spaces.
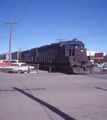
{"x":12,"y":61}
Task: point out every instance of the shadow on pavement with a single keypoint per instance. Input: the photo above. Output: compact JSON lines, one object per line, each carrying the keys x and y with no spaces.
{"x":101,"y":88}
{"x":24,"y":89}
{"x":52,"y":108}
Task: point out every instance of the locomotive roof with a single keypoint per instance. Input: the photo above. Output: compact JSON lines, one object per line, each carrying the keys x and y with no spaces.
{"x":60,"y":44}
{"x":71,"y":42}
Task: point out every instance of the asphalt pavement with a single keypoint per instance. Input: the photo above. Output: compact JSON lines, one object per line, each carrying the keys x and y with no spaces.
{"x":53,"y":96}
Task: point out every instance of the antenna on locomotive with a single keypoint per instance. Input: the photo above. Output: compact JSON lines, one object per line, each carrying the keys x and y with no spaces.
{"x":75,"y":39}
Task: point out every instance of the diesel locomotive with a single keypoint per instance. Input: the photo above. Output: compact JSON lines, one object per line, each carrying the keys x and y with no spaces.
{"x":63,"y":56}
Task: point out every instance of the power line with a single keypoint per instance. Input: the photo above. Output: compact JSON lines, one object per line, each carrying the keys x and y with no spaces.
{"x":89,"y":34}
{"x":24,"y":11}
{"x":2,"y":28}
{"x":60,"y":40}
{"x":93,"y":34}
{"x":5,"y":37}
{"x":19,"y":19}
{"x":9,"y":13}
{"x":22,"y":14}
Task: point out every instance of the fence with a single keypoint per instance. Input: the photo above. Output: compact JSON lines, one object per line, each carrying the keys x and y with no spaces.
{"x":36,"y":67}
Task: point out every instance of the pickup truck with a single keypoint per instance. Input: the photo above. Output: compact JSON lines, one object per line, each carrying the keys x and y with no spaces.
{"x":18,"y":68}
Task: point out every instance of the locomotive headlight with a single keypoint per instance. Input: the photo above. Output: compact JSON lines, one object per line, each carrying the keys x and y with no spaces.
{"x":82,"y":50}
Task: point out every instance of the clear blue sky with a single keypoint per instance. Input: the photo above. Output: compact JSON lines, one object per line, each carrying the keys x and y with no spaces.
{"x":41,"y":22}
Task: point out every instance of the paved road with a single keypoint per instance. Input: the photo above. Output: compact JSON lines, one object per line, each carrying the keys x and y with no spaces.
{"x":53,"y":96}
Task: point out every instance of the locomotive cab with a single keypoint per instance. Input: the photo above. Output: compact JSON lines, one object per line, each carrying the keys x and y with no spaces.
{"x":77,"y":57}
{"x":74,"y":48}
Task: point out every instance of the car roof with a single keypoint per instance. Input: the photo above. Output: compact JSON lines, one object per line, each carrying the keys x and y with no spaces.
{"x":17,"y":63}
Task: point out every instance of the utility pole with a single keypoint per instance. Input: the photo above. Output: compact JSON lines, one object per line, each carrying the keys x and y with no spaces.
{"x":10,"y":37}
{"x":20,"y":53}
{"x":60,"y":40}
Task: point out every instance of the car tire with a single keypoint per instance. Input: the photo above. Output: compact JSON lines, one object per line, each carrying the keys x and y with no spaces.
{"x":31,"y":69}
{"x":19,"y":71}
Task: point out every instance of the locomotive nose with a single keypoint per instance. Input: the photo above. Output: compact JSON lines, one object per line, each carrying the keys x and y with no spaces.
{"x":80,"y":54}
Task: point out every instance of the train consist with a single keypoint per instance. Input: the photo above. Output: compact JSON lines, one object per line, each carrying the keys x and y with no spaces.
{"x":63,"y":56}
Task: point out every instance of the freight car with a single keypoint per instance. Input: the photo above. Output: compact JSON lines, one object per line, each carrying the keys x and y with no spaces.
{"x":66,"y":56}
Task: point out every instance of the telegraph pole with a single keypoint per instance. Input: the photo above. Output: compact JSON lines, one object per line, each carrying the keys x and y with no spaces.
{"x":10,"y":37}
{"x":20,"y":53}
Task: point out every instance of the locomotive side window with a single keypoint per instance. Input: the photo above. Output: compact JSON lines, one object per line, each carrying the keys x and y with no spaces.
{"x":70,"y":47}
{"x":82,"y":46}
{"x":79,"y":46}
{"x":76,"y":46}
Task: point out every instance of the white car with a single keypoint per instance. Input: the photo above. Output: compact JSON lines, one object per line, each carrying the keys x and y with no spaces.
{"x":100,"y":65}
{"x":14,"y":61}
{"x":18,"y":68}
{"x":104,"y":67}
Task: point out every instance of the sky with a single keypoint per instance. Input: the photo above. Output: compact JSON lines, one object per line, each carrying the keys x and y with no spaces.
{"x":42,"y":22}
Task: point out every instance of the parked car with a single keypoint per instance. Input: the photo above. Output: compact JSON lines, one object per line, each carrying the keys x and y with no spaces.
{"x":5,"y":63}
{"x":13,"y":61}
{"x":18,"y":68}
{"x":104,"y":67}
{"x":100,"y":65}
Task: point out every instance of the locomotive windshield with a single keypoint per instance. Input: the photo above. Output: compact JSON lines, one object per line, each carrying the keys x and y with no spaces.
{"x":74,"y":46}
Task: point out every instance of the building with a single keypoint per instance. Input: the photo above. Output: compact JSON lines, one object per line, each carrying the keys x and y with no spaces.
{"x":105,"y":58}
{"x":99,"y":57}
{"x":91,"y":55}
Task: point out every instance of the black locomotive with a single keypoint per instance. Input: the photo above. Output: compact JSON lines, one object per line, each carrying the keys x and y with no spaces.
{"x":64,"y":56}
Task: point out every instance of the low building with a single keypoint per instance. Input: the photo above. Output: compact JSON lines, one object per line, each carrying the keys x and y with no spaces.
{"x":105,"y":59}
{"x":91,"y":55}
{"x":99,"y":57}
